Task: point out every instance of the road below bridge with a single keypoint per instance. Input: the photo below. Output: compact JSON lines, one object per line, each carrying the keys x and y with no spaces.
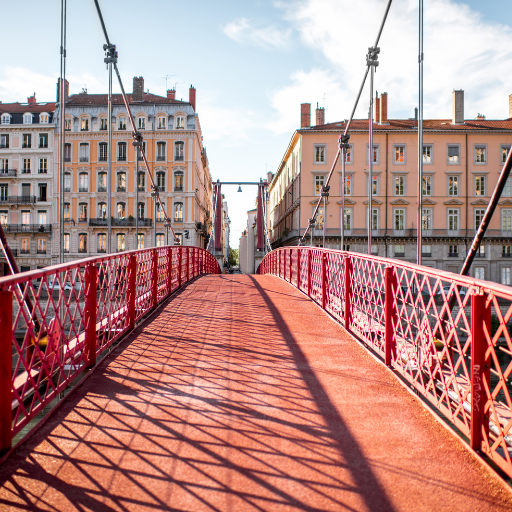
{"x":241,"y":394}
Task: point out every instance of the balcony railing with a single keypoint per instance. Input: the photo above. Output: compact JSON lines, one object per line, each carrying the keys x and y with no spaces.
{"x":42,"y":171}
{"x":121,"y":158}
{"x":41,"y":251}
{"x":67,"y":159}
{"x":160,"y":158}
{"x":480,"y":255}
{"x":8,"y":173}
{"x":102,"y":189}
{"x":121,"y":189}
{"x":67,"y":189}
{"x":178,"y":189}
{"x":14,"y":253}
{"x":27,"y":228}
{"x":17,"y":199}
{"x":102,"y":158}
{"x":43,"y":145}
{"x":147,"y":223}
{"x":82,"y":219}
{"x":26,"y":171}
{"x":26,"y":145}
{"x":83,"y":189}
{"x":84,"y":159}
{"x":178,"y":158}
{"x":4,"y":146}
{"x":506,"y":255}
{"x":453,"y":255}
{"x":82,"y":251}
{"x":25,"y":251}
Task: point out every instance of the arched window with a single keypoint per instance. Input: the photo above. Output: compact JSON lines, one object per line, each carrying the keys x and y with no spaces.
{"x":82,"y":211}
{"x":178,"y":212}
{"x":178,"y":181}
{"x":180,"y":122}
{"x":84,"y":124}
{"x":102,"y":242}
{"x":121,"y":182}
{"x":121,"y":210}
{"x":142,"y":123}
{"x":102,"y":182}
{"x":162,"y":123}
{"x":103,"y":123}
{"x":44,"y":118}
{"x":122,"y":123}
{"x":67,"y":125}
{"x":6,"y":119}
{"x":141,"y":210}
{"x":83,"y":182}
{"x":102,"y":211}
{"x":160,"y":181}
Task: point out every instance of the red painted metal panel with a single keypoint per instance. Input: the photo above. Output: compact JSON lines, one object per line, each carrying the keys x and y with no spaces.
{"x":5,"y":369}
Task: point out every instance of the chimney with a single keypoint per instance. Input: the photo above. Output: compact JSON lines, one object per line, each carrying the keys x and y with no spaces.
{"x":138,"y":88}
{"x":458,"y":107}
{"x":319,"y":116}
{"x":171,"y":94}
{"x":383,"y":107}
{"x":32,"y":100}
{"x":510,"y":105}
{"x":66,"y":90}
{"x":377,"y":108}
{"x":416,"y":113}
{"x":192,"y":97}
{"x":479,"y":117}
{"x":305,"y":115}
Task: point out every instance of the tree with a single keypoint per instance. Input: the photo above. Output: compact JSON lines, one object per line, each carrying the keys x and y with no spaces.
{"x":233,"y":256}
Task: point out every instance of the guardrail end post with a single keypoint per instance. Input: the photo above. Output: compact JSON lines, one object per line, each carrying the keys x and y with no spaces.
{"x":91,"y":286}
{"x":480,"y":369}
{"x":390,"y":316}
{"x":5,"y":370}
{"x":348,"y":292}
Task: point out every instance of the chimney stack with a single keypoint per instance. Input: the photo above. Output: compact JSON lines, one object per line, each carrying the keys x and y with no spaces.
{"x":458,"y":107}
{"x":138,"y":88}
{"x":171,"y":94}
{"x":66,"y":90}
{"x":32,"y":100}
{"x":305,"y":115}
{"x":192,"y":97}
{"x":319,"y":116}
{"x":510,"y":105}
{"x":383,"y":107}
{"x":377,"y":108}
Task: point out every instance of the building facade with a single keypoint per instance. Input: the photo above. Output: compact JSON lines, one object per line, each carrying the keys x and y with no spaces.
{"x":26,"y":181}
{"x":177,"y":160}
{"x":462,"y":160}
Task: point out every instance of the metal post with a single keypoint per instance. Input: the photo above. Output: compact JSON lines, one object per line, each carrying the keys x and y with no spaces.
{"x":137,"y":194}
{"x":370,"y":160}
{"x":188,"y":264}
{"x":298,"y":268}
{"x":390,"y":316}
{"x":309,"y":272}
{"x":62,"y":121}
{"x":154,"y":278}
{"x":132,"y":289}
{"x":180,"y":262}
{"x":480,"y":369}
{"x":109,"y":156}
{"x":324,"y":280}
{"x":169,"y":270}
{"x":91,"y":278}
{"x":348,"y":292}
{"x":343,"y":160}
{"x":325,"y":222}
{"x":5,"y":370}
{"x":420,"y":136}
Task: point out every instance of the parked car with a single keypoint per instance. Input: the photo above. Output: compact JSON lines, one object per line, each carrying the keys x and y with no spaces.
{"x":446,"y":289}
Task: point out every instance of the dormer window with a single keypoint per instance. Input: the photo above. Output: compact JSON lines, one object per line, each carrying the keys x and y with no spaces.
{"x":180,"y":122}
{"x":44,"y":118}
{"x":103,"y":123}
{"x":6,"y":119}
{"x":67,"y":125}
{"x":27,"y":119}
{"x":122,"y":123}
{"x":85,"y":125}
{"x":142,"y":123}
{"x":161,"y":123}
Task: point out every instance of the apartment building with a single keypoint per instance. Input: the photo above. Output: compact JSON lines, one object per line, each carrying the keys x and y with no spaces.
{"x":462,"y":161}
{"x":177,"y":160}
{"x":26,"y":181}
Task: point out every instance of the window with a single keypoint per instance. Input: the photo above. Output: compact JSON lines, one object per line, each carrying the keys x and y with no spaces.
{"x":41,"y":217}
{"x":399,"y":218}
{"x":505,"y":275}
{"x":43,"y":140}
{"x":319,"y":221}
{"x":453,"y":250}
{"x":42,"y":192}
{"x":27,"y":166}
{"x":160,"y":181}
{"x":121,"y":182}
{"x":479,"y":185}
{"x":506,"y":251}
{"x":142,"y":123}
{"x":507,"y":190}
{"x":160,"y":213}
{"x":376,"y":154}
{"x":43,"y":166}
{"x":103,"y":152}
{"x":84,"y":126}
{"x":399,"y":185}
{"x":160,"y":150}
{"x":428,"y":152}
{"x":84,"y":152}
{"x":6,"y":119}
{"x":121,"y":151}
{"x":66,"y":242}
{"x":178,"y":181}
{"x":348,"y":158}
{"x":400,"y":154}
{"x":27,"y":140}
{"x":479,"y":215}
{"x":427,"y":218}
{"x":4,"y":165}
{"x":103,"y":123}
{"x":480,"y":253}
{"x":504,"y":151}
{"x":453,"y":185}
{"x":347,"y":221}
{"x":426,"y":250}
{"x":82,"y":210}
{"x":140,"y":241}
{"x":141,"y":158}
{"x":142,"y":182}
{"x":375,"y":218}
{"x":141,"y":210}
{"x":453,"y":219}
{"x":348,"y":185}
{"x":27,"y":119}
{"x":506,"y":220}
{"x":161,"y":123}
{"x":4,"y":140}
{"x":102,"y":211}
{"x":121,"y":242}
{"x":122,"y":123}
{"x":159,"y":240}
{"x":179,"y":151}
{"x":399,"y":251}
{"x":67,"y":128}
{"x":318,"y":184}
{"x":180,"y":122}
{"x":178,"y":212}
{"x":82,"y":242}
{"x":121,"y":210}
{"x":479,"y":272}
{"x":319,"y":154}
{"x":102,"y":242}
{"x":4,"y":215}
{"x":25,"y":189}
{"x":480,"y":154}
{"x":375,"y":180}
{"x":427,"y":185}
{"x":102,"y":182}
{"x":25,"y":246}
{"x":43,"y":118}
{"x":66,"y":211}
{"x":67,"y":152}
{"x":4,"y":192}
{"x":454,"y":154}
{"x":41,"y":246}
{"x":83,"y":182}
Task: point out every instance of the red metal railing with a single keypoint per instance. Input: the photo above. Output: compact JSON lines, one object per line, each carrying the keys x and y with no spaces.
{"x":74,"y":313}
{"x":448,"y":336}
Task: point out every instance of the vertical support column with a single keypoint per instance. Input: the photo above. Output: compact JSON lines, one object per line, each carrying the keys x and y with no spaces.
{"x":169,"y":271}
{"x":348,"y":292}
{"x":324,"y":279}
{"x":132,"y":287}
{"x":309,"y":272}
{"x":5,"y":370}
{"x":154,"y":278}
{"x":390,"y":316}
{"x":91,"y":279}
{"x":480,"y":369}
{"x":188,"y":264}
{"x":298,"y":268}
{"x":180,"y":269}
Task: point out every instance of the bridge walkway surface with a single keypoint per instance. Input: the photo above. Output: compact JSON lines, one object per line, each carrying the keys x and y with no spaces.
{"x":239,"y":394}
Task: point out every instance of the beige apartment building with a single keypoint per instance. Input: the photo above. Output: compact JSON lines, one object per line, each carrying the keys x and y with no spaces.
{"x":462,"y":161}
{"x":177,"y":159}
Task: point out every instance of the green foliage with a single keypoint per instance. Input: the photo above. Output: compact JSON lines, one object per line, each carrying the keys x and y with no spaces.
{"x":233,"y":257}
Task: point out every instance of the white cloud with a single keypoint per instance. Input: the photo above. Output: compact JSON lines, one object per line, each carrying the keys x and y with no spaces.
{"x":462,"y":51}
{"x":241,"y":31}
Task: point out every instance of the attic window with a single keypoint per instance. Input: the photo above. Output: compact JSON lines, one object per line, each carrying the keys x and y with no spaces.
{"x":180,"y":122}
{"x":6,"y":119}
{"x":27,"y":119}
{"x":43,"y":118}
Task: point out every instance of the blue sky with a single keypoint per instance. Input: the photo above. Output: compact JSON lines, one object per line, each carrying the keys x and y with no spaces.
{"x":254,"y":62}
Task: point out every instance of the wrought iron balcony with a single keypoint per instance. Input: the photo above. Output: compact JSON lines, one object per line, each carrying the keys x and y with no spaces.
{"x":178,"y":189}
{"x":160,"y":158}
{"x":26,"y":145}
{"x":121,"y":158}
{"x":8,"y":173}
{"x":25,"y":251}
{"x":83,"y":189}
{"x":98,"y":221}
{"x":43,"y":145}
{"x":102,"y":158}
{"x":17,"y":199}
{"x":42,"y":171}
{"x":4,"y":146}
{"x":453,"y":255}
{"x":27,"y":228}
{"x":102,"y":189}
{"x":178,"y":158}
{"x":41,"y":251}
{"x":506,"y":255}
{"x":26,"y":171}
{"x":84,"y":159}
{"x":121,"y":189}
{"x":67,"y":159}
